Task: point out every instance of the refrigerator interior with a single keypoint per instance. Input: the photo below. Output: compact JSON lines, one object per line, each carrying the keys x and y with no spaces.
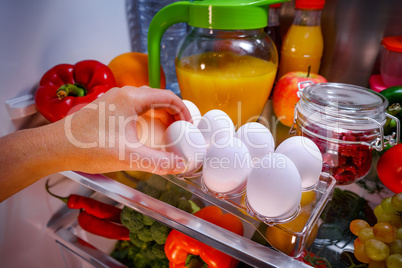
{"x":36,"y":35}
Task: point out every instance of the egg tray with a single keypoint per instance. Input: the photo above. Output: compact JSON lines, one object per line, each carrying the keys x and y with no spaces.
{"x":237,"y":205}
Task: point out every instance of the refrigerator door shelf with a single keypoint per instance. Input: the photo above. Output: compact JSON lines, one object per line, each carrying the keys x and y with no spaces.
{"x":241,"y":248}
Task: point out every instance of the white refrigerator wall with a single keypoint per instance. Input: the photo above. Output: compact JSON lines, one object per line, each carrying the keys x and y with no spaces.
{"x":35,"y":36}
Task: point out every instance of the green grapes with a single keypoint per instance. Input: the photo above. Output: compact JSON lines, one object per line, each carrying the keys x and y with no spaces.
{"x":380,"y":246}
{"x":384,"y":232}
{"x":376,"y":250}
{"x":357,"y":225}
{"x":387,"y":205}
{"x":395,"y":247}
{"x":396,"y":201}
{"x":394,"y":261}
{"x":366,"y":234}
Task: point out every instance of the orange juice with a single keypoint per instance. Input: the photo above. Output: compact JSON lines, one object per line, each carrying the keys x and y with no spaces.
{"x":302,"y":47}
{"x":238,"y":85}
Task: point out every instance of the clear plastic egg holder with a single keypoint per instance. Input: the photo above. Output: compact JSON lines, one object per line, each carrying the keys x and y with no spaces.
{"x":236,"y":204}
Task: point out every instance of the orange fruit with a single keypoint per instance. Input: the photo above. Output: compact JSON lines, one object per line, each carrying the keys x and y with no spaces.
{"x":131,"y":69}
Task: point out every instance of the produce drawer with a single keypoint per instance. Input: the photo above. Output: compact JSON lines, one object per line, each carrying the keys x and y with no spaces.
{"x":232,"y":244}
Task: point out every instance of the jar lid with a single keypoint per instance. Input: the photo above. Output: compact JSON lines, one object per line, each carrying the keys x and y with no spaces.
{"x":344,"y":97}
{"x":309,"y":4}
{"x":392,"y":43}
{"x":337,"y":102}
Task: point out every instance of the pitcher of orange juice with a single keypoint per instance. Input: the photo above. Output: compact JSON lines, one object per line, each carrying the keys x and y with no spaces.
{"x":226,"y":61}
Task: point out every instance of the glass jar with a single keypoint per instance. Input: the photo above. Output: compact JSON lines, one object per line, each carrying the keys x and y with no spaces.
{"x":346,"y":122}
{"x":232,"y":71}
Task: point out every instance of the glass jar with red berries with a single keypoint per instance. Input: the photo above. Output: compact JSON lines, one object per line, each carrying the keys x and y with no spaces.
{"x":346,"y":122}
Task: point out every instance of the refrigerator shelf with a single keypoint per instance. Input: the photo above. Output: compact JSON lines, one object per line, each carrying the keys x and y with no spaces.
{"x":242,"y":248}
{"x":237,"y":206}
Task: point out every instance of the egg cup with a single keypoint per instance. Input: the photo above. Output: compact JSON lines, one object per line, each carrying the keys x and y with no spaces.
{"x":270,"y":221}
{"x":237,"y":192}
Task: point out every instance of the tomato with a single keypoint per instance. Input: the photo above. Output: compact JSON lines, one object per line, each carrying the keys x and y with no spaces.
{"x":389,"y":168}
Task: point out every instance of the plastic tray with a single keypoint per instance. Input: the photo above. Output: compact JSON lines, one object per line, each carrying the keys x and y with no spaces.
{"x":322,"y":190}
{"x":239,"y":247}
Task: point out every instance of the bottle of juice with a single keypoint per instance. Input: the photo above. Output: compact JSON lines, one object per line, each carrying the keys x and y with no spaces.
{"x":303,"y":44}
{"x":273,"y":29}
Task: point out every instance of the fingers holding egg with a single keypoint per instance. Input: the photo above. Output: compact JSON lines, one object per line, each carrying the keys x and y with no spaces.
{"x":184,"y":139}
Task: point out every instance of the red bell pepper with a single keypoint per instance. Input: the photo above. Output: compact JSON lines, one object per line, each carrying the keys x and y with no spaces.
{"x":65,"y":86}
{"x":184,"y":251}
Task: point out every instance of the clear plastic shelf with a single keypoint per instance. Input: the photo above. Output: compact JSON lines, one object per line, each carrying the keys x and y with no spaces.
{"x":240,"y":247}
{"x":238,"y":206}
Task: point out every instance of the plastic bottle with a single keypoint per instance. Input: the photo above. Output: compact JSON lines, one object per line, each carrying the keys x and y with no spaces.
{"x":146,"y":10}
{"x":303,"y":43}
{"x":273,"y":29}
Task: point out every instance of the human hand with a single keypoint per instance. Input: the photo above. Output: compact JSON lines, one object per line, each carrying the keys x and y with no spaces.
{"x":103,"y":136}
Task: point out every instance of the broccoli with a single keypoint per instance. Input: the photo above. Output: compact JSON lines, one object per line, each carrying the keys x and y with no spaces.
{"x":145,"y":188}
{"x":148,"y":236}
{"x":159,"y":232}
{"x":136,"y":241}
{"x":185,"y":205}
{"x":180,"y":191}
{"x":157,"y":182}
{"x":170,"y":197}
{"x":145,"y":235}
{"x":131,"y":219}
{"x":147,"y":220}
{"x":140,"y":261}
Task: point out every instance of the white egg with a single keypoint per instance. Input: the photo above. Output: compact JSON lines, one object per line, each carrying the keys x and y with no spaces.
{"x":257,"y":138}
{"x":185,"y":140}
{"x":226,"y":168}
{"x":194,"y":111}
{"x":216,"y":125}
{"x":274,"y":187}
{"x":307,"y":157}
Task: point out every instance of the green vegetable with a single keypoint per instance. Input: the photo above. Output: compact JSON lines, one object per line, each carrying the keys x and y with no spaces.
{"x":132,"y":219}
{"x":148,"y":236}
{"x":159,"y":232}
{"x":144,"y":234}
{"x":394,"y":97}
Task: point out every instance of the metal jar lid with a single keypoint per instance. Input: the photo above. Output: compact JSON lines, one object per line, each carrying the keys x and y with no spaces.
{"x":342,"y":107}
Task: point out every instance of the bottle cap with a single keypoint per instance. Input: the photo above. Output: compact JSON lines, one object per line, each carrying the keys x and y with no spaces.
{"x":310,"y":4}
{"x":392,"y":43}
{"x":275,"y":6}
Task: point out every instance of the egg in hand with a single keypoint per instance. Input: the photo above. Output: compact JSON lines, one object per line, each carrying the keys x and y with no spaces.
{"x":184,"y":139}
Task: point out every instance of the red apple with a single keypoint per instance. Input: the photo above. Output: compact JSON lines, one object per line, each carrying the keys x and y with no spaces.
{"x":284,"y":96}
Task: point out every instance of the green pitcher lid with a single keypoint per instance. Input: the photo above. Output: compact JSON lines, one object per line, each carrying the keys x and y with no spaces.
{"x":208,"y":14}
{"x":230,"y":14}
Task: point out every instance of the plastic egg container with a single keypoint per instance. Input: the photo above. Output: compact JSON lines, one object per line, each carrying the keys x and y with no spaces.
{"x":245,"y":163}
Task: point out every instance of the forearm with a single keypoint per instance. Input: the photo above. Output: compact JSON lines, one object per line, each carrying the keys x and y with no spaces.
{"x":27,"y":156}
